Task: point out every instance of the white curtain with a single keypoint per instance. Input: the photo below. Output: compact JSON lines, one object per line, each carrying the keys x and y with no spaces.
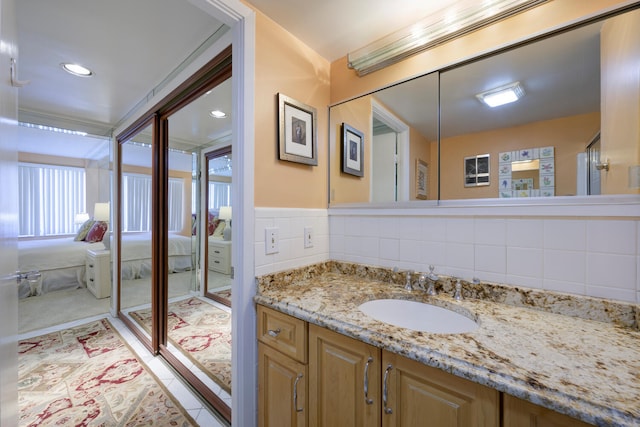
{"x":49,"y":199}
{"x":136,"y":203}
{"x":219,"y":194}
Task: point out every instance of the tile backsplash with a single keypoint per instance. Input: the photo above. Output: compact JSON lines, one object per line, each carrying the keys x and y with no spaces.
{"x":597,"y":257}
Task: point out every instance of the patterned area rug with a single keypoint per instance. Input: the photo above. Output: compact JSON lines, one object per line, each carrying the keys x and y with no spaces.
{"x":224,"y":297}
{"x":202,"y":332}
{"x":88,"y":376}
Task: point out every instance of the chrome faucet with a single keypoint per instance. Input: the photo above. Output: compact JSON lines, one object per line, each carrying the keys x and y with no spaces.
{"x":458,"y":293}
{"x":433,"y":278}
{"x":407,"y":284}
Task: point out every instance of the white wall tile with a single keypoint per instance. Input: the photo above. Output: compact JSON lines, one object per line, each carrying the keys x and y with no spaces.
{"x":525,"y":233}
{"x":525,"y":262}
{"x":411,"y":251}
{"x":490,"y":231}
{"x":389,"y":227}
{"x":490,"y":259}
{"x":459,"y":230}
{"x":433,"y":229}
{"x":612,"y":236}
{"x":459,"y":255}
{"x":565,"y":234}
{"x":611,"y":293}
{"x":409,"y":228}
{"x":568,"y":266}
{"x":433,"y":253}
{"x":615,"y":271}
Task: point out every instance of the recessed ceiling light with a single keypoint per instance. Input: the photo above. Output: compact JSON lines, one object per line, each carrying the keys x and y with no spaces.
{"x":76,"y":69}
{"x":502,"y":95}
{"x":218,"y":114}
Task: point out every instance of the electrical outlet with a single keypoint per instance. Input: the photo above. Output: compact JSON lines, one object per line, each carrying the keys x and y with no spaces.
{"x":271,"y":240}
{"x":308,"y":237}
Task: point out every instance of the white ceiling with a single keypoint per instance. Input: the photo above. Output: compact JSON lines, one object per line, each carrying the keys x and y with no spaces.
{"x":334,"y":28}
{"x":132,"y":46}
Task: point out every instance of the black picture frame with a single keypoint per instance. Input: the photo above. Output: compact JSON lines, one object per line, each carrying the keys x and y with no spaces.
{"x":352,"y":150}
{"x":297,"y":131}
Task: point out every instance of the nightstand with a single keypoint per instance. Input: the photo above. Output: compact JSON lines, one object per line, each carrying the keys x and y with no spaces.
{"x":98,"y":265}
{"x":220,"y":256}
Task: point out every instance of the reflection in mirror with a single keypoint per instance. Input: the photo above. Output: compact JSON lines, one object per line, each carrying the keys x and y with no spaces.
{"x":400,"y":132}
{"x":564,"y":80}
{"x":199,"y":328}
{"x":219,"y":217}
{"x":135,"y":224}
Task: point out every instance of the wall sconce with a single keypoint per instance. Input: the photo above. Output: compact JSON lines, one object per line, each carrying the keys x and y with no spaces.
{"x":440,"y":27}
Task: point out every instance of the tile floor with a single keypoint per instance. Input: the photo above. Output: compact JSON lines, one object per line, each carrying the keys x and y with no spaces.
{"x":189,"y":400}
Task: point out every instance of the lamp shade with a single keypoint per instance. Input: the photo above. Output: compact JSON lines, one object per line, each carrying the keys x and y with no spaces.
{"x":225,"y":212}
{"x":81,"y":218}
{"x":101,"y":212}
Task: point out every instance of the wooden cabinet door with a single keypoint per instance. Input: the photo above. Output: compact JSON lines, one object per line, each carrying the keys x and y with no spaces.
{"x":340,"y":369}
{"x":419,"y":395}
{"x":520,"y":413}
{"x":282,"y":390}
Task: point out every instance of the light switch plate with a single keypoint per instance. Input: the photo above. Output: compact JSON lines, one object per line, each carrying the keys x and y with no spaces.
{"x":271,"y":240}
{"x":308,"y":237}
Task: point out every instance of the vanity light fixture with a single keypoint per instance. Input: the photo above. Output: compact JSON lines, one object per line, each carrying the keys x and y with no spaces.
{"x":76,"y":69}
{"x":217,"y":114}
{"x":501,"y":95}
{"x":442,"y":26}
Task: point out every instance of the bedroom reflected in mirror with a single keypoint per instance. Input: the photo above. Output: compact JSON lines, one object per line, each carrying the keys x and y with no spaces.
{"x":219,"y":225}
{"x":136,"y":269}
{"x":62,"y":261}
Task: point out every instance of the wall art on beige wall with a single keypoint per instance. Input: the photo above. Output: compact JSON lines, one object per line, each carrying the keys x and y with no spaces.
{"x":421,"y":180}
{"x":352,"y":150}
{"x":297,"y":139}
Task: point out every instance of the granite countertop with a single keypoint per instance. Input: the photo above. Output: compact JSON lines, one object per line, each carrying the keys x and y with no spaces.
{"x":587,"y":369}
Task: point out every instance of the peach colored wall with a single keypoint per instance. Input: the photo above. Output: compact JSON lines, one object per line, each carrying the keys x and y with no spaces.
{"x":285,"y":65}
{"x":620,"y":138}
{"x":346,"y":188}
{"x":568,"y":135}
{"x":420,"y":148}
{"x":345,"y":83}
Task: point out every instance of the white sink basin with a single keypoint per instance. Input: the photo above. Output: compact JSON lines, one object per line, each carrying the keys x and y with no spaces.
{"x":418,"y":316}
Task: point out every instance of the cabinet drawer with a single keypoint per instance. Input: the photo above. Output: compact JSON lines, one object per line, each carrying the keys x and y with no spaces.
{"x":283,"y":332}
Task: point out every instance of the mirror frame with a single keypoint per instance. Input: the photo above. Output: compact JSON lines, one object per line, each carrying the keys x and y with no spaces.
{"x":625,"y":204}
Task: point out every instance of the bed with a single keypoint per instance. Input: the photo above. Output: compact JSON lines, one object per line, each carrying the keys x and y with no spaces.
{"x":61,"y":261}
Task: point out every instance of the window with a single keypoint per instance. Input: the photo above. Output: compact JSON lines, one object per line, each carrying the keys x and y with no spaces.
{"x":219,"y":194}
{"x":476,"y":170}
{"x":136,"y":203}
{"x":49,"y":199}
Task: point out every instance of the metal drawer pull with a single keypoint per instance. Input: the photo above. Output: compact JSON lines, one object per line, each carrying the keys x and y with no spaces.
{"x":90,"y":265}
{"x":385,"y":390}
{"x":295,"y":394}
{"x":366,"y":382}
{"x":273,"y":333}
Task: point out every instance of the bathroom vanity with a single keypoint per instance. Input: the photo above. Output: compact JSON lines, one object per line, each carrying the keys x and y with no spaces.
{"x":322,"y":361}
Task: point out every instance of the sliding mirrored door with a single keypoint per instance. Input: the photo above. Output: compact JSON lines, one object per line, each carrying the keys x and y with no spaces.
{"x":134,"y":237}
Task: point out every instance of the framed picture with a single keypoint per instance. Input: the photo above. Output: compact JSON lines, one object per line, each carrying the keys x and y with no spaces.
{"x":421,"y":179}
{"x":352,"y":151}
{"x":297,"y":139}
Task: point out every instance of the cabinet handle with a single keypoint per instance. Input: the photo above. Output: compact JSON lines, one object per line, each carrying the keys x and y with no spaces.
{"x":366,"y":382}
{"x":274,"y":333}
{"x":90,"y":265}
{"x":295,"y":394}
{"x":217,"y":252}
{"x":385,"y":390}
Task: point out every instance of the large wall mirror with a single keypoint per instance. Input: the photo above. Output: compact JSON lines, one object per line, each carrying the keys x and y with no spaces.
{"x":575,"y":123}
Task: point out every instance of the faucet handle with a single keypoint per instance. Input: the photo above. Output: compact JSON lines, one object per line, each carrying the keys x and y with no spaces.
{"x":407,"y":284}
{"x":458,"y":293}
{"x":432,"y":275}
